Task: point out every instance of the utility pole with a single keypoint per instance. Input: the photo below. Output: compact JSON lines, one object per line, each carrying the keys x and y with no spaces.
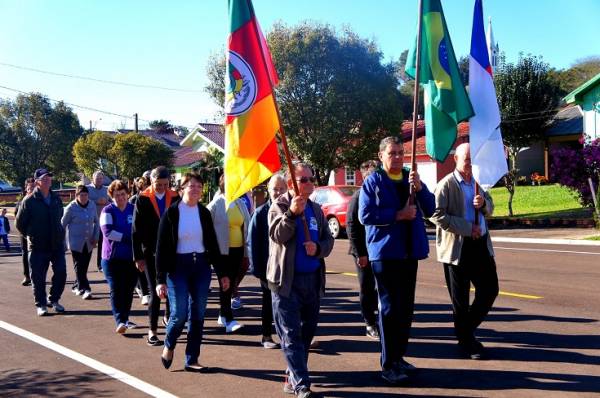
{"x":90,"y":126}
{"x":135,"y":115}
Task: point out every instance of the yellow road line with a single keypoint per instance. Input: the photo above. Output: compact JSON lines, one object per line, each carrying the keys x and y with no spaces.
{"x":501,"y":293}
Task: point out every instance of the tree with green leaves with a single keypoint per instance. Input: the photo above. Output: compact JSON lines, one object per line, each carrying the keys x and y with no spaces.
{"x":122,"y":155}
{"x":336,"y":96}
{"x":33,"y":134}
{"x":527,"y":97}
{"x":577,"y":74}
{"x":161,"y":126}
{"x":92,"y":152}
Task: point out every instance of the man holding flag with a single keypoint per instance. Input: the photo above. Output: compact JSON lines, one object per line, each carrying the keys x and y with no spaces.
{"x":463,"y":242}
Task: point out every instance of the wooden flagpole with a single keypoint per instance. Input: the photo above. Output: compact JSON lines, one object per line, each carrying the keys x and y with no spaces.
{"x":286,"y":150}
{"x":413,"y":155}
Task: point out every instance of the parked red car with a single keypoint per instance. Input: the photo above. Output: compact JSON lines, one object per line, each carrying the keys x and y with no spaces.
{"x":334,"y":203}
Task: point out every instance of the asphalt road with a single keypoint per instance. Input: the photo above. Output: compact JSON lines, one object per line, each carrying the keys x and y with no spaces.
{"x":542,"y":336}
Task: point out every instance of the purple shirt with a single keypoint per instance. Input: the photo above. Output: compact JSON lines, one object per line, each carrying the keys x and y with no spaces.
{"x":116,"y":231}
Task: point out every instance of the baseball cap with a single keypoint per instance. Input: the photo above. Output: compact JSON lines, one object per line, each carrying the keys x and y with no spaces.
{"x":39,"y":173}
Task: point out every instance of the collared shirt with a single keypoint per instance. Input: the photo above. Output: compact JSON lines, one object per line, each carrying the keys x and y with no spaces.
{"x":468,"y":190}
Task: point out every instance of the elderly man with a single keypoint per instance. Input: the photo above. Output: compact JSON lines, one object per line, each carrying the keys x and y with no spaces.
{"x":150,"y":206}
{"x":465,"y":248}
{"x":396,"y":240}
{"x":39,"y":218}
{"x":258,"y":233}
{"x":98,"y":195}
{"x":300,"y":240}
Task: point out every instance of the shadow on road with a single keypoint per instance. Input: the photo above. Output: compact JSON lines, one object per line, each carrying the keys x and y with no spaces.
{"x":19,"y":383}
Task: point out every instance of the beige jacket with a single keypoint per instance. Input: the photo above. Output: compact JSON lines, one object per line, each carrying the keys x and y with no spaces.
{"x":451,"y":226}
{"x":282,"y":245}
{"x":218,"y":212}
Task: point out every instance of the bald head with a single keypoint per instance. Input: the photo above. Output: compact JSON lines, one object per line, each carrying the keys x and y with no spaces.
{"x":462,"y":157}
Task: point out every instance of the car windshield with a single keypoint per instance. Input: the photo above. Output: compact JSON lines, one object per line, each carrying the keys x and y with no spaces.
{"x":348,"y":191}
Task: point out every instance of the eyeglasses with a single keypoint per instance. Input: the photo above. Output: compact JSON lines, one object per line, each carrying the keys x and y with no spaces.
{"x":304,"y":180}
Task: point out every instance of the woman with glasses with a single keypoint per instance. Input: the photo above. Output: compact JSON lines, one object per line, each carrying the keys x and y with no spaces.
{"x":186,"y":235}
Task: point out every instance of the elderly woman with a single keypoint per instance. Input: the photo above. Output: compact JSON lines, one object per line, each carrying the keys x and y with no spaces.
{"x":117,"y":254}
{"x":231,"y":225}
{"x":81,"y":224}
{"x":187,"y":246}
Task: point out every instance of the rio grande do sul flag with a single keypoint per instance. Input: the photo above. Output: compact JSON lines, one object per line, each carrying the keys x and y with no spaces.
{"x":487,"y":149}
{"x":445,"y":100}
{"x":251,"y":153}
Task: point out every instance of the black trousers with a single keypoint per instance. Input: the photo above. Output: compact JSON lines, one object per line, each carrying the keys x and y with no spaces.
{"x":396,"y":282}
{"x":478,"y":267}
{"x":99,"y":253}
{"x":267,"y":309}
{"x":25,"y":257}
{"x":154,"y":303}
{"x":233,"y":264}
{"x":367,"y":293}
{"x":81,"y":262}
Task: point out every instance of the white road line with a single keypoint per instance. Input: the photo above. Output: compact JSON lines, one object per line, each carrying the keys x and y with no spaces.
{"x":574,"y":242}
{"x":545,"y":250}
{"x":92,"y":363}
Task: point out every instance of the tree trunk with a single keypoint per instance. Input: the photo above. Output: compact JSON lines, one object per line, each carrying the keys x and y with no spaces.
{"x":511,"y":179}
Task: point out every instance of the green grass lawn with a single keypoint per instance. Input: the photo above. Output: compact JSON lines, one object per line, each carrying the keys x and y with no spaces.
{"x":538,"y":202}
{"x":595,"y":237}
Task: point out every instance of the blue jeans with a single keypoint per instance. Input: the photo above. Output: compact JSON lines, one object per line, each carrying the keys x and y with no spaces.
{"x":188,"y":293}
{"x":5,"y":241}
{"x":296,"y":319}
{"x":39,"y":261}
{"x":121,"y":276}
{"x":396,"y":281}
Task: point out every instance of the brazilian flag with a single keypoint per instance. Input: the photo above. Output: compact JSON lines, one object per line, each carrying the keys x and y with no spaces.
{"x":445,"y":99}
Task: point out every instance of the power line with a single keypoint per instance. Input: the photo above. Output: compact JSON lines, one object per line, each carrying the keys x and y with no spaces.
{"x":181,"y":90}
{"x":80,"y":106}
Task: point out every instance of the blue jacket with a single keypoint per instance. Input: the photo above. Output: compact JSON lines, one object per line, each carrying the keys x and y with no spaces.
{"x":258,"y":241}
{"x":387,"y":239}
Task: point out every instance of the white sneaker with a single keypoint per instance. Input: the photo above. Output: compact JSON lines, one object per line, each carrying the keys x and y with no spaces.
{"x":130,"y":325}
{"x":121,"y":328}
{"x":236,"y":303}
{"x":221,"y":321}
{"x":145,"y":300}
{"x":76,"y":291}
{"x":233,"y":327}
{"x":42,"y":311}
{"x":139,"y":292}
{"x":86,"y":295}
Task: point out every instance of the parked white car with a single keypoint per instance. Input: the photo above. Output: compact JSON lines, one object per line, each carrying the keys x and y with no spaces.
{"x":6,"y":187}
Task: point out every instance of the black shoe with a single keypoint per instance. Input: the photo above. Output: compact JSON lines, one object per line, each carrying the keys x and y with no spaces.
{"x":26,"y":282}
{"x":472,"y":349}
{"x":166,"y":362}
{"x":196,"y":368}
{"x":153,"y":341}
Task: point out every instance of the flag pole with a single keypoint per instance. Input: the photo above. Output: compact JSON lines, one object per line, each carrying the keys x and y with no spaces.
{"x":413,"y":155}
{"x":286,"y":150}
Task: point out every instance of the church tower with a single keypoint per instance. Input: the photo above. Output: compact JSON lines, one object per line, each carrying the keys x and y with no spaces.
{"x":492,"y":45}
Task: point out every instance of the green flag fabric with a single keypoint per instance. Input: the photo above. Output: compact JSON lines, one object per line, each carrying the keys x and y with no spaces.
{"x":445,"y":100}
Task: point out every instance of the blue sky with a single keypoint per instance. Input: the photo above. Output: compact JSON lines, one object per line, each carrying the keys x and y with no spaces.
{"x":167,"y":44}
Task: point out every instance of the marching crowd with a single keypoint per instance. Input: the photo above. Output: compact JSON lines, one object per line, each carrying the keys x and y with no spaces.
{"x":164,"y":244}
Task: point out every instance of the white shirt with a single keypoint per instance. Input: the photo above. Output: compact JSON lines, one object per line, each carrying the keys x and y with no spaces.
{"x":190,"y":235}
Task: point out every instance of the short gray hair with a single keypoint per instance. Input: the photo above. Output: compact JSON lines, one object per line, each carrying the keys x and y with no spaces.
{"x":297,"y":166}
{"x":97,"y":173}
{"x":275,"y":178}
{"x":388,"y":141}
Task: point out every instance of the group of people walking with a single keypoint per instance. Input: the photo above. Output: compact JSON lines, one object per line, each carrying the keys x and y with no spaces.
{"x":176,"y":242}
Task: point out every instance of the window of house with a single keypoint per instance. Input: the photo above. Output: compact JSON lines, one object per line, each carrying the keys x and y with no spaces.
{"x":350,"y":176}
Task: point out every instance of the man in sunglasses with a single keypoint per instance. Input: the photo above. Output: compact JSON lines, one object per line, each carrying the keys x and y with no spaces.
{"x":396,"y":240}
{"x":296,"y":274}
